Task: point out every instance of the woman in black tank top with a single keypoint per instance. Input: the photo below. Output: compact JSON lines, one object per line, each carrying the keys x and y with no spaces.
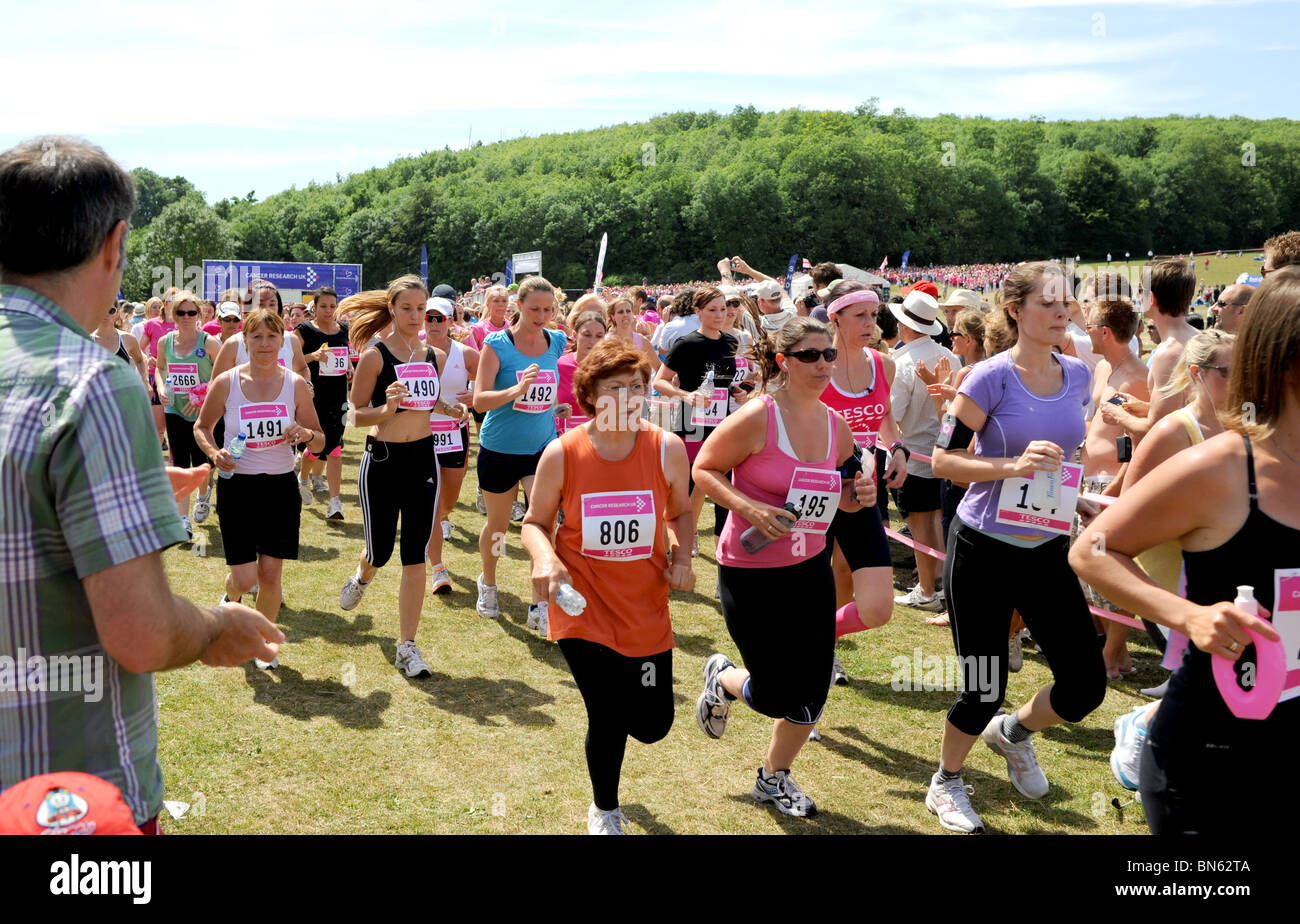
{"x":1231,"y":504}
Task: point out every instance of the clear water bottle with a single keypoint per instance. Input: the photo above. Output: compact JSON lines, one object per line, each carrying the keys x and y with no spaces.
{"x":166,"y":396}
{"x":236,"y":449}
{"x":1047,"y":489}
{"x":570,"y":600}
{"x":707,"y":385}
{"x":754,"y":540}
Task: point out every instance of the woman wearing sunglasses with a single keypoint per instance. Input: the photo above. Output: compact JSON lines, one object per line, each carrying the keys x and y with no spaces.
{"x":120,"y":342}
{"x":784,"y":448}
{"x":685,"y":370}
{"x":450,"y":434}
{"x":185,"y":359}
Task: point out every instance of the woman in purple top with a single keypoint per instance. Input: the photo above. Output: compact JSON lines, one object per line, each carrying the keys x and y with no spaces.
{"x":1010,"y":541}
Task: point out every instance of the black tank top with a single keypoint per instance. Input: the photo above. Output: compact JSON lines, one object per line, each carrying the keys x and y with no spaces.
{"x":121,"y":350}
{"x":388,"y":374}
{"x":1251,"y":556}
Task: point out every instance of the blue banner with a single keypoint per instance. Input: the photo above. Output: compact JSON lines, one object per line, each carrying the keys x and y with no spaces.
{"x":906,"y":254}
{"x":510,"y":271}
{"x":219,"y":275}
{"x":789,"y":272}
{"x":424,"y":265}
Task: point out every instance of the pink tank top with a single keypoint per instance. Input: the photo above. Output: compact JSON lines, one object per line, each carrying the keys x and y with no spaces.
{"x":865,"y":412}
{"x":264,"y":423}
{"x":770,"y":476}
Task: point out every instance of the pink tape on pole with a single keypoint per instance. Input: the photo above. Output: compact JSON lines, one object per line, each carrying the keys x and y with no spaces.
{"x":1116,"y":617}
{"x":923,"y":549}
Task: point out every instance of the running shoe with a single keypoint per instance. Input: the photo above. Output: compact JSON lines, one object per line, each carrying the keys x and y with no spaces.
{"x":950,"y":801}
{"x":189,"y":530}
{"x":782,"y":791}
{"x":318,"y":484}
{"x":611,"y":822}
{"x":267,"y":665}
{"x":335,"y":511}
{"x":1126,"y":758}
{"x":814,"y":735}
{"x":304,"y":491}
{"x":713,"y":707}
{"x":410,"y":662}
{"x":202,"y":507}
{"x":351,"y":593}
{"x":838,"y":676}
{"x":441,"y":579}
{"x":446,"y":530}
{"x":1015,"y":655}
{"x":1022,"y":762}
{"x":479,"y":503}
{"x":1156,"y":692}
{"x":517,"y":512}
{"x":487,"y":600}
{"x":918,"y":599}
{"x":537,"y":618}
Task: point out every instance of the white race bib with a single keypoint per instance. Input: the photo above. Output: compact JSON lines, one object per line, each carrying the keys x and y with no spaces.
{"x":446,"y":436}
{"x":1016,"y":500}
{"x":712,"y":415}
{"x":264,"y":424}
{"x":335,"y":362}
{"x":540,"y":396}
{"x":184,"y":376}
{"x":618,"y":525}
{"x":421,"y":381}
{"x":815,"y":493}
{"x":1286,"y":619}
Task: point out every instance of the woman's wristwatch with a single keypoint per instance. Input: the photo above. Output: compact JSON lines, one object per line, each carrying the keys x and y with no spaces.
{"x":897,"y":445}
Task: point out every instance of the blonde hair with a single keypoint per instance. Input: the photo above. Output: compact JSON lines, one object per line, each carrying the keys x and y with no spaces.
{"x":1199,"y":351}
{"x":588,"y":302}
{"x":371,"y":311}
{"x":175,"y":298}
{"x":259,"y":318}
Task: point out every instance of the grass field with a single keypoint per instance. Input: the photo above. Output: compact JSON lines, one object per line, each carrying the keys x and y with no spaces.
{"x":338,"y":741}
{"x":1221,"y":271}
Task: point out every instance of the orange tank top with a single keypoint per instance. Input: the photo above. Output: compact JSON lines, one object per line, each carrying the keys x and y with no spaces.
{"x":612,"y":544}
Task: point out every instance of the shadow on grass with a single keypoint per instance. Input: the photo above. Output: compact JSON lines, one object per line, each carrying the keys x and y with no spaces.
{"x":895,"y":762}
{"x":513,"y":622}
{"x":700,"y":646}
{"x":287,"y":692}
{"x":314,"y":553}
{"x":640,"y":815}
{"x":822,"y":823}
{"x":482,"y":699}
{"x":336,"y":628}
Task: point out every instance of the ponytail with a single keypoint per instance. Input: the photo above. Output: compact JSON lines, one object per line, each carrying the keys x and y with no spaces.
{"x":370,"y":312}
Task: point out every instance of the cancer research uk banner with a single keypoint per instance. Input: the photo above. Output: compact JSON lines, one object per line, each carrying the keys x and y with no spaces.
{"x":220,"y":275}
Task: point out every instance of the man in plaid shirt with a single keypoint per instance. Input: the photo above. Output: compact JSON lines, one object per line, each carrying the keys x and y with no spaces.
{"x":85,"y":504}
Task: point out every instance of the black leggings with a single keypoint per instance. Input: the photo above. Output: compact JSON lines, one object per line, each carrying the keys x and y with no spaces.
{"x":783,"y":622}
{"x":984,"y":579}
{"x":624,"y":696}
{"x":185,"y":452}
{"x":398,"y":478}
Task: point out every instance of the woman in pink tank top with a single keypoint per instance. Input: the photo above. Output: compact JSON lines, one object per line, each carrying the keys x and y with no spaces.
{"x":786,"y":452}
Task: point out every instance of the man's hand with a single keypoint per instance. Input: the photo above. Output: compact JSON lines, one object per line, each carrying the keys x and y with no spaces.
{"x":243,"y":634}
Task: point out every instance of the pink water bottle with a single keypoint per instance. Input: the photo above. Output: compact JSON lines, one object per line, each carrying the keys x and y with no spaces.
{"x":1270,"y":669}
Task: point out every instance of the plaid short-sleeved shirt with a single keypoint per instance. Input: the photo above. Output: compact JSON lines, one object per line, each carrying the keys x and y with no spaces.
{"x":82,"y":488}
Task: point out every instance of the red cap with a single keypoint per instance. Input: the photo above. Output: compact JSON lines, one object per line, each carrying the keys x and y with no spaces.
{"x":929,"y":288}
{"x":65,"y":803}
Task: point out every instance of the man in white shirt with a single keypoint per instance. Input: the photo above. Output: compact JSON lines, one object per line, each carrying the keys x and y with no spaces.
{"x":918,"y":424}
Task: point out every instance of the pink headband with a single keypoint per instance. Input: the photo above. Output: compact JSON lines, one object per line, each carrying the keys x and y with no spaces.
{"x":853,"y":298}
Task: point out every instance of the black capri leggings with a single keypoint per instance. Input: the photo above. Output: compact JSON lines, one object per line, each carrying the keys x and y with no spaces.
{"x":984,"y":579}
{"x":624,"y":696}
{"x":861,"y":537}
{"x":184,"y":450}
{"x":783,"y":622}
{"x":398,"y":478}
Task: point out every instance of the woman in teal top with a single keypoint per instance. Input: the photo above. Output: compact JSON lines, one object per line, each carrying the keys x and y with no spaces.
{"x":516,"y":385}
{"x":185,"y":358}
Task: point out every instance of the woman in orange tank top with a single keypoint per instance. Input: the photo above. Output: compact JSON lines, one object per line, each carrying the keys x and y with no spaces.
{"x":618,"y":480}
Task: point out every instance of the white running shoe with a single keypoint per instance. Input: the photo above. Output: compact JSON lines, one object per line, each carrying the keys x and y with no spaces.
{"x":267,"y":665}
{"x":918,"y":599}
{"x":611,"y":822}
{"x":713,"y":707}
{"x":304,"y":491}
{"x":203,"y":507}
{"x":1157,"y":692}
{"x":1022,"y":762}
{"x":189,"y":530}
{"x":441,"y":579}
{"x":446,"y":530}
{"x":838,"y":676}
{"x":410,"y":662}
{"x":479,"y":504}
{"x":1015,"y":655}
{"x":517,"y":512}
{"x":537,"y":617}
{"x":1126,"y":758}
{"x":318,"y":484}
{"x":814,"y":735}
{"x":335,"y":511}
{"x":487,"y":600}
{"x":351,"y":593}
{"x":950,"y":801}
{"x":782,"y":791}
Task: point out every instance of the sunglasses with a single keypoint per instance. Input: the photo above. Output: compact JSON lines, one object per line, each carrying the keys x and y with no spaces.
{"x":186,"y":314}
{"x":1222,"y":370}
{"x":112,"y":311}
{"x":435,"y":318}
{"x":811,"y":356}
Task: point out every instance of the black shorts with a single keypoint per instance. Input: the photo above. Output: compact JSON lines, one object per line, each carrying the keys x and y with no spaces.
{"x":861,"y":538}
{"x":499,"y":472}
{"x":919,"y":495}
{"x":153,"y":397}
{"x":185,"y":452}
{"x":260,"y":515}
{"x":330,"y":414}
{"x":457,"y":459}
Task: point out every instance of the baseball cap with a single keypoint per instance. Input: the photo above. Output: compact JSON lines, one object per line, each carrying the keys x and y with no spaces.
{"x":228,"y":310}
{"x":729,"y":291}
{"x":441,"y":305}
{"x":65,"y":803}
{"x":442,"y":290}
{"x":768,"y":289}
{"x":929,"y":288}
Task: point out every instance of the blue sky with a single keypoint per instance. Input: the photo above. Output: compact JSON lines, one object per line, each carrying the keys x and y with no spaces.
{"x":332,"y":87}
